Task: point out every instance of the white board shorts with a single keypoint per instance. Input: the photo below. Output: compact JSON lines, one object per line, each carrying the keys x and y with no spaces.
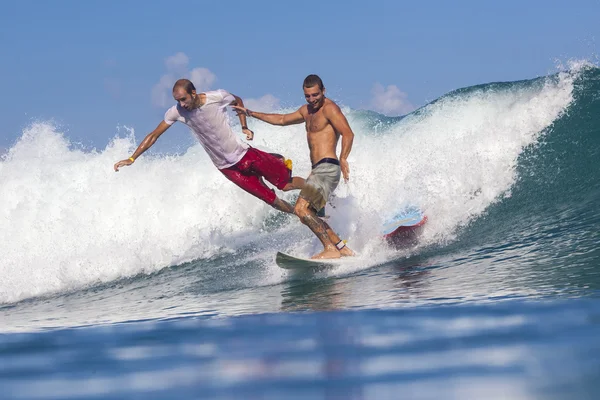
{"x":320,"y":184}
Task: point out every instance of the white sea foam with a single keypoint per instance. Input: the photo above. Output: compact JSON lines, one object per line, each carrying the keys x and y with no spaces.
{"x":68,"y":220}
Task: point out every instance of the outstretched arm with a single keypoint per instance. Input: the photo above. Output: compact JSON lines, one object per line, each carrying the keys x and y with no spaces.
{"x":148,"y":141}
{"x":341,"y":126}
{"x":273,"y":119}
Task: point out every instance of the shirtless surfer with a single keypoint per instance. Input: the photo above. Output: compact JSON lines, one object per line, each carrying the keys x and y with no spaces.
{"x":206,"y":115}
{"x":325,"y":123}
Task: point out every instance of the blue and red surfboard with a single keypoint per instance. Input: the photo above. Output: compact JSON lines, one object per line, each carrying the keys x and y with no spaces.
{"x":404,"y":228}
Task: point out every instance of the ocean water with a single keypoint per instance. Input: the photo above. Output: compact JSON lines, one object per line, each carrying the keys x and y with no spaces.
{"x":159,"y":281}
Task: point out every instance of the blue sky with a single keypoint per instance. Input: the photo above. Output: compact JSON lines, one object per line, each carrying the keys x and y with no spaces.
{"x":91,"y":66}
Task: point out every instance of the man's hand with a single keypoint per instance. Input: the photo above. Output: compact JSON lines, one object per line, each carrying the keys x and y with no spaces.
{"x":122,"y":163}
{"x":249,"y":133}
{"x":345,"y":169}
{"x":242,"y":110}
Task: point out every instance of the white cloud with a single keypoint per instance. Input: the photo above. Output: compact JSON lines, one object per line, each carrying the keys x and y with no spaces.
{"x":390,"y":100}
{"x":177,"y":63}
{"x":202,"y":78}
{"x":266,"y":103}
{"x":177,"y":68}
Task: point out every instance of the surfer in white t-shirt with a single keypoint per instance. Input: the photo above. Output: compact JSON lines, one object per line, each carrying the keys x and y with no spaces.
{"x":206,"y":115}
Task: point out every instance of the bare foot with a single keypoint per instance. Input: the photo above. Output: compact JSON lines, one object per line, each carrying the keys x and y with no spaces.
{"x":327,"y":254}
{"x":347,"y":252}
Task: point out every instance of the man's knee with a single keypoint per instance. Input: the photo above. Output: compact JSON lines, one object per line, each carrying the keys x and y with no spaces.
{"x":300,"y":205}
{"x":301,"y":209}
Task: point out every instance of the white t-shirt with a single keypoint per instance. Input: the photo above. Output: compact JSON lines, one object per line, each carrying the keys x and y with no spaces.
{"x":210,"y":124}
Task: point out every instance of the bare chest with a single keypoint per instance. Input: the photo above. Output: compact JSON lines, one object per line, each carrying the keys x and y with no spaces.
{"x":316,"y":122}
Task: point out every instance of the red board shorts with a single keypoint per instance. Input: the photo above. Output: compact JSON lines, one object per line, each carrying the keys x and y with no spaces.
{"x":255,"y":165}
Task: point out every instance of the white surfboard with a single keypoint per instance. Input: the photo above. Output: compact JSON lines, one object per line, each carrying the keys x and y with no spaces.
{"x":290,"y":262}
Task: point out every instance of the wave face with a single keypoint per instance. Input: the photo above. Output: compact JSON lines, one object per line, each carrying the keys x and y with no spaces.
{"x":490,"y":165}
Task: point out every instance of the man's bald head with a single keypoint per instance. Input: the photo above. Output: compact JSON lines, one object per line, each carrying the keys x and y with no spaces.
{"x":184,"y":84}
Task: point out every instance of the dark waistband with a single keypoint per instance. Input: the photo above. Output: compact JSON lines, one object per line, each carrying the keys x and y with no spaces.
{"x":326,"y":161}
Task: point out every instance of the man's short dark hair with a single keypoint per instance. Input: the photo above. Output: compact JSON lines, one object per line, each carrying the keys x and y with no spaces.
{"x":313,"y":80}
{"x":186,"y":84}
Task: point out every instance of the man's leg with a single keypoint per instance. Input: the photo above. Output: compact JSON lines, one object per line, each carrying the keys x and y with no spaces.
{"x":282,"y":205}
{"x":305,"y":209}
{"x":256,"y":187}
{"x":271,"y":166}
{"x":296,"y":183}
{"x":309,"y":218}
{"x":345,"y":251}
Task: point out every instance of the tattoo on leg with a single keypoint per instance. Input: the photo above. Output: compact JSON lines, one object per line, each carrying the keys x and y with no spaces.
{"x":333,"y":237}
{"x":317,"y":226}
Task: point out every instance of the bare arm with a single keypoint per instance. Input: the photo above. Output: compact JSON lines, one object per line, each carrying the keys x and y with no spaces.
{"x":148,"y":141}
{"x":274,"y":119}
{"x":341,"y":126}
{"x":242,"y":116}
